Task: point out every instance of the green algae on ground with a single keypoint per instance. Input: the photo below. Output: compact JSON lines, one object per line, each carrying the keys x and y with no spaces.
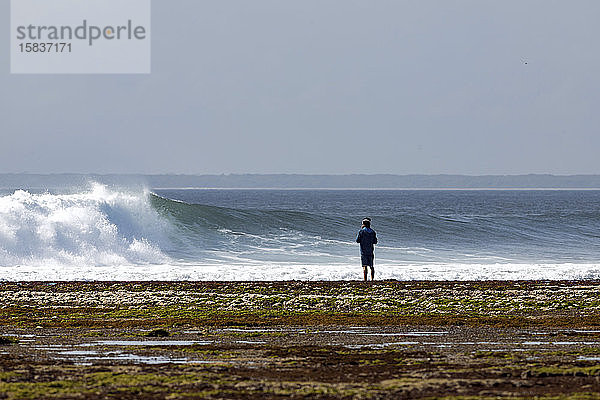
{"x":95,"y":383}
{"x":287,"y":363}
{"x":570,"y":396}
{"x":565,"y":371}
{"x":164,"y":305}
{"x":5,"y":341}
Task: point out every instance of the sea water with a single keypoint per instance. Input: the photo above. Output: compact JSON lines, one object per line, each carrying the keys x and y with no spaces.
{"x":103,"y":233}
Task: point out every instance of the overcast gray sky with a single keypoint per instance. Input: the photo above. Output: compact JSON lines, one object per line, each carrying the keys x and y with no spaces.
{"x":322,"y":86}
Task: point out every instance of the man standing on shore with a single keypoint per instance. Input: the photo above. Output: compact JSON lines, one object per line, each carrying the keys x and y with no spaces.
{"x":367,"y":238}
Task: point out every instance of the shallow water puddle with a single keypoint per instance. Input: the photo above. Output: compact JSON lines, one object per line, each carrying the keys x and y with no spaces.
{"x":505,"y":350}
{"x":90,"y":357}
{"x":525,"y":346}
{"x":250,"y":342}
{"x":566,"y":332}
{"x":406,"y":334}
{"x":260,"y":330}
{"x":78,"y":353}
{"x":380,"y":345}
{"x":145,"y":343}
{"x":51,"y":347}
{"x":136,"y":359}
{"x":254,"y":330}
{"x":367,"y":333}
{"x":557,"y":343}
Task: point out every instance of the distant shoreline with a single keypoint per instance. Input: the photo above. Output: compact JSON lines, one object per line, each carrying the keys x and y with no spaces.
{"x":377,"y":188}
{"x":306,"y":181}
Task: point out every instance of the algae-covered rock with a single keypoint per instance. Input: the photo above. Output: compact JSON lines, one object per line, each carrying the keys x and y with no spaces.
{"x":158,"y":333}
{"x":5,"y":341}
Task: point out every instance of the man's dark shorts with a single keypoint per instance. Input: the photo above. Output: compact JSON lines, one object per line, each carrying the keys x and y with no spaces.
{"x":367,"y":259}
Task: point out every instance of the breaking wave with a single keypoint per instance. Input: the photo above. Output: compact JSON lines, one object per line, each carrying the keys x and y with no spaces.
{"x":116,"y":234}
{"x":98,"y":227}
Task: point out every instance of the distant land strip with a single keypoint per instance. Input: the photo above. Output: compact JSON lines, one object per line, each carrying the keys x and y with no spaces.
{"x":306,"y":181}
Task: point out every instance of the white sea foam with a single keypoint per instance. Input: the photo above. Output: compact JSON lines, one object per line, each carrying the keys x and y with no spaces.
{"x":236,"y":271}
{"x":99,"y":227}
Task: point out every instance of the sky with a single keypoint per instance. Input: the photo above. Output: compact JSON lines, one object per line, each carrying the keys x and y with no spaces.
{"x":325,"y":87}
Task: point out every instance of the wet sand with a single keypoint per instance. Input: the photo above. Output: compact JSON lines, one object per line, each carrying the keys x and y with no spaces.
{"x":183,"y":340}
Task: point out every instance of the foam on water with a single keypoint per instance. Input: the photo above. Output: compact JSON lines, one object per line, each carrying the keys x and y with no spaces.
{"x":50,"y":233}
{"x":268,"y":272}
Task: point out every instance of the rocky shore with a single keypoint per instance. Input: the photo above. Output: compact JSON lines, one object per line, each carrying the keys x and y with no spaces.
{"x":388,"y":339}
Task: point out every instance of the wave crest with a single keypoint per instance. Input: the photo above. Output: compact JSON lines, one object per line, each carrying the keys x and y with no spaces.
{"x":98,"y":227}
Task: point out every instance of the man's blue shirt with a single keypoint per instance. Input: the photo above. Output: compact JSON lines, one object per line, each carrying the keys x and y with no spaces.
{"x":367,"y":238}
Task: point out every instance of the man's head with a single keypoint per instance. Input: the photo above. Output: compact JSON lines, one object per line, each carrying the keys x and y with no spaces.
{"x":366,"y":222}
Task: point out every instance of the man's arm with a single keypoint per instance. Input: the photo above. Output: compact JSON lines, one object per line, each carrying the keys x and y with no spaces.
{"x":358,"y":237}
{"x":374,"y":237}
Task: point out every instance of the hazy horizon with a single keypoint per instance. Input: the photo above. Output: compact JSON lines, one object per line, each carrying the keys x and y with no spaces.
{"x":301,"y":181}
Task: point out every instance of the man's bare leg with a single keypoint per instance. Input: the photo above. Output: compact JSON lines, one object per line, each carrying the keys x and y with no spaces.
{"x":365,"y":271}
{"x":372,"y":273}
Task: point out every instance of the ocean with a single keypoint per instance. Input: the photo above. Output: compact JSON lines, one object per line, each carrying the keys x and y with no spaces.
{"x":108,"y":233}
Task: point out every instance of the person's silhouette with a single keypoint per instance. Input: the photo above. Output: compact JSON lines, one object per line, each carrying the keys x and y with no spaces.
{"x":367,"y":238}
